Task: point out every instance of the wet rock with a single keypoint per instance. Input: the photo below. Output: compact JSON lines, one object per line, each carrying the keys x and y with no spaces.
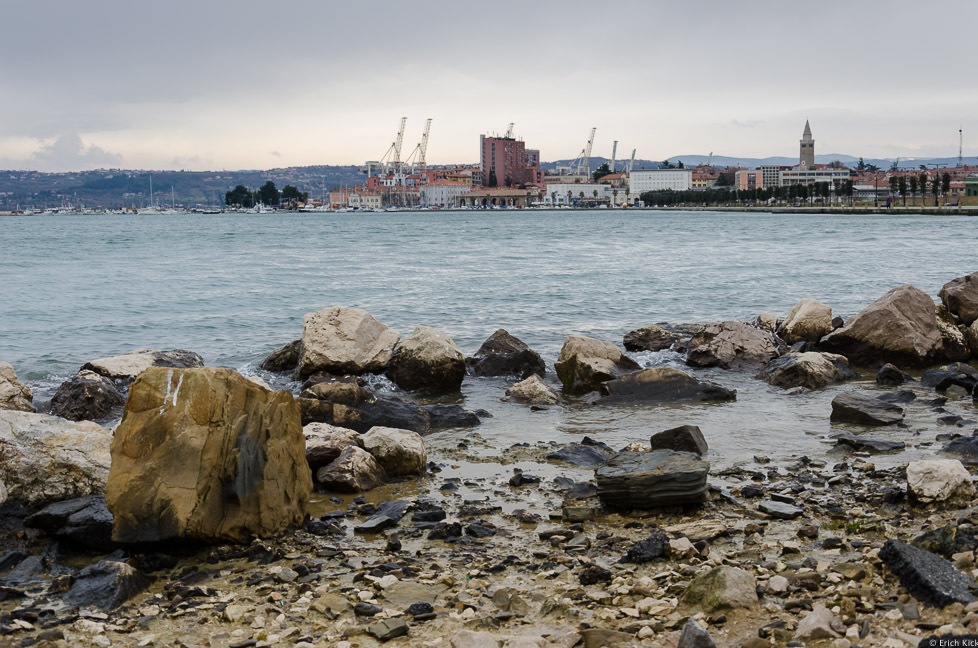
{"x":88,"y":396}
{"x":721,"y":588}
{"x":206,"y":454}
{"x":864,"y":444}
{"x":694,"y":635}
{"x":808,"y":321}
{"x":427,"y":360}
{"x":820,"y":623}
{"x":48,"y":459}
{"x":450,"y":416}
{"x":107,"y":584}
{"x":3,"y":493}
{"x":522,"y":479}
{"x":594,"y":574}
{"x":325,"y":442}
{"x":865,"y":409}
{"x":505,"y":355}
{"x":387,"y":629}
{"x":14,"y":395}
{"x":342,"y":340}
{"x":480,"y":530}
{"x":899,"y":397}
{"x":129,"y":365}
{"x":811,"y":370}
{"x":662,"y":385}
{"x":84,"y":520}
{"x":732,"y":345}
{"x":948,"y":540}
{"x":685,"y":438}
{"x":890,"y":376}
{"x":971,"y":335}
{"x":648,"y":549}
{"x":382,"y":411}
{"x":650,"y":479}
{"x":580,"y":455}
{"x":355,"y":470}
{"x":585,"y":363}
{"x":445,"y":531}
{"x":780,"y":510}
{"x":603,"y":638}
{"x":964,"y":447}
{"x":364,"y":609}
{"x":345,"y":390}
{"x":900,"y":327}
{"x":928,"y":577}
{"x":399,"y":452}
{"x":956,"y":374}
{"x":284,"y":359}
{"x":533,"y":390}
{"x":650,"y":338}
{"x":960,"y":296}
{"x":388,"y":514}
{"x":939,"y":481}
{"x":955,"y":343}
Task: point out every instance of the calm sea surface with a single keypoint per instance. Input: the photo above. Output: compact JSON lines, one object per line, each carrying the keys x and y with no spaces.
{"x":233,"y":287}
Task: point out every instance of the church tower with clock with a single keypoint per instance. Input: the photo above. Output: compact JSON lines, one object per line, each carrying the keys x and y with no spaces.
{"x":806,"y":157}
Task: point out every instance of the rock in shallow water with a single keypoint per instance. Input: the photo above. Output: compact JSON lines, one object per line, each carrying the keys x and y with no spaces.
{"x":650,"y":479}
{"x":585,"y":363}
{"x":854,"y":442}
{"x":206,"y":454}
{"x":580,"y":455}
{"x":928,"y":577}
{"x":355,"y":470}
{"x":650,"y":338}
{"x":811,"y":370}
{"x":87,"y":396}
{"x":685,"y":438}
{"x":807,"y":321}
{"x":533,"y":390}
{"x":342,"y":340}
{"x":960,"y":296}
{"x":662,"y":385}
{"x":891,"y":376}
{"x":732,"y":345}
{"x":864,"y":409}
{"x":505,"y":355}
{"x":284,"y":359}
{"x":399,"y":452}
{"x":129,"y":365}
{"x":427,"y":360}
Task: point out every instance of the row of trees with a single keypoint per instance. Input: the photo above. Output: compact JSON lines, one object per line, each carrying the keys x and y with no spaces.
{"x":267,"y":194}
{"x":899,"y":185}
{"x":820,"y":191}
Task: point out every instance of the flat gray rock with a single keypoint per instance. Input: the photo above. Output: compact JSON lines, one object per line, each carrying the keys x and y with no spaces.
{"x":650,"y":479}
{"x":780,"y":510}
{"x":864,"y":409}
{"x":870,"y":445}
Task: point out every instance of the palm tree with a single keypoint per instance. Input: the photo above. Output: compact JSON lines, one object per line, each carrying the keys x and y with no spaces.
{"x":923,"y":187}
{"x":614,"y":197}
{"x":569,"y":195}
{"x":913,"y":188}
{"x":553,"y":198}
{"x":902,"y":185}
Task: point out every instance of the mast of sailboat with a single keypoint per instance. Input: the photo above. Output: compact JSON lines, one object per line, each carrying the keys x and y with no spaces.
{"x":151,"y":191}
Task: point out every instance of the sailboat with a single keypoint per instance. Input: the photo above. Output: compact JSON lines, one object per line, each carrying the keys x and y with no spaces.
{"x":152,"y":209}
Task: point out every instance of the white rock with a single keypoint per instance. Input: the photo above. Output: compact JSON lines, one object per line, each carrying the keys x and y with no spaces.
{"x":777,"y":584}
{"x":345,"y":341}
{"x":941,"y":481}
{"x":808,"y":320}
{"x":14,"y":395}
{"x":533,"y":390}
{"x":820,"y":623}
{"x":399,"y":452}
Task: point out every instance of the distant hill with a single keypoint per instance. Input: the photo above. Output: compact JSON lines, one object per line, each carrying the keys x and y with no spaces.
{"x":720,"y":161}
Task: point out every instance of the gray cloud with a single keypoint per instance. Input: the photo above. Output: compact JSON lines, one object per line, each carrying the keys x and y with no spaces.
{"x":69,"y":152}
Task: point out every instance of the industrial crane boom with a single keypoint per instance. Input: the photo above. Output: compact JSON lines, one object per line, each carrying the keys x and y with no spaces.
{"x":397,"y":145}
{"x":614,"y":150}
{"x":587,"y":151}
{"x":424,"y":144}
{"x":631,"y":162}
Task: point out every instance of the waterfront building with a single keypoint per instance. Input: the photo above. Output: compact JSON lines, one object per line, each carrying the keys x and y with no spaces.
{"x":801,"y":175}
{"x":745,"y":179}
{"x":442,"y":193}
{"x":505,"y":162}
{"x":499,"y":197}
{"x":641,"y":180}
{"x":570,"y":193}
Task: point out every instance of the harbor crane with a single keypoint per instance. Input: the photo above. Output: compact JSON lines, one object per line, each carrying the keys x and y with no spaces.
{"x":417,"y":158}
{"x":631,"y":162}
{"x":614,"y":150}
{"x":583,"y":161}
{"x":709,"y":160}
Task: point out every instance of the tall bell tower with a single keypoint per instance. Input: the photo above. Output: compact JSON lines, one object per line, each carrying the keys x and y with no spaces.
{"x":806,"y":155}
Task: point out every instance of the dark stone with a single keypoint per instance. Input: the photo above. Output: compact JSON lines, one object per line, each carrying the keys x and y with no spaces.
{"x":593,"y":574}
{"x":695,"y":636}
{"x":386,"y":412}
{"x":445,"y":531}
{"x":480,"y":531}
{"x":650,"y":479}
{"x":837,"y":322}
{"x":521,"y":479}
{"x":927,"y":576}
{"x":422,"y":607}
{"x":957,"y":374}
{"x":284,"y":359}
{"x":662,"y":385}
{"x":505,"y":355}
{"x":450,"y":416}
{"x":808,"y":369}
{"x":864,"y":409}
{"x":648,"y":549}
{"x":650,"y":338}
{"x":751,"y":492}
{"x":780,"y":510}
{"x":685,"y":438}
{"x":388,"y":514}
{"x":948,"y":540}
{"x":964,"y":447}
{"x":580,"y":455}
{"x":178,"y":359}
{"x":902,"y":396}
{"x":367,"y":609}
{"x":436,"y":515}
{"x":107,"y":584}
{"x":87,"y":396}
{"x":890,"y":376}
{"x":871,"y":445}
{"x":86,"y":521}
{"x":581,"y":491}
{"x":387,"y":629}
{"x":11,"y":558}
{"x":28,"y":569}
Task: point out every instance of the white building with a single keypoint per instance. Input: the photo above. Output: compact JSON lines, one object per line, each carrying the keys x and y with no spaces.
{"x":442,"y":193}
{"x":641,"y":180}
{"x":569,"y":193}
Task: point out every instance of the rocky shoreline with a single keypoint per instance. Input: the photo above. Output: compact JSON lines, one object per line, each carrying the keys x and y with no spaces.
{"x":222,"y":513}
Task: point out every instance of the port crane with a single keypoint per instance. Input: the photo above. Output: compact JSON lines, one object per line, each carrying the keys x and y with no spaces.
{"x":417,"y":158}
{"x":614,"y":150}
{"x":391,"y":162}
{"x":583,"y":161}
{"x":631,"y":162}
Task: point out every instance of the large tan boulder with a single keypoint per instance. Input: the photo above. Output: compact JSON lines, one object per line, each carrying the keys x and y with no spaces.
{"x":940,"y":482}
{"x":355,"y":470}
{"x":325,"y":442}
{"x":127,"y":366}
{"x":900,"y":328}
{"x":427,"y":360}
{"x":45,"y":459}
{"x":961,"y":297}
{"x":732,"y":345}
{"x":206,"y":454}
{"x":342,"y":340}
{"x":585,"y":363}
{"x":808,"y":321}
{"x":14,"y":395}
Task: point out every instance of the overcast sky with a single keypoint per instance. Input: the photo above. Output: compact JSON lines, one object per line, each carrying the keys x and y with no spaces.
{"x":221,"y":84}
